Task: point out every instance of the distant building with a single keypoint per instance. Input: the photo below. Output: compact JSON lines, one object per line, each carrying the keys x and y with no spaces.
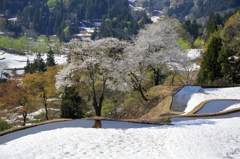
{"x":139,"y":9}
{"x":13,"y":20}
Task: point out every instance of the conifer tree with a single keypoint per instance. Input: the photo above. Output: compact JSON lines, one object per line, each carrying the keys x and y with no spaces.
{"x":210,"y":68}
{"x":72,"y":104}
{"x":50,"y":61}
{"x":211,"y":28}
{"x":27,"y":67}
{"x":40,"y":63}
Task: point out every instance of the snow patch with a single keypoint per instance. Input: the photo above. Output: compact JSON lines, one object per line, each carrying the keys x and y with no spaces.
{"x":193,"y":54}
{"x":215,"y":138}
{"x":232,"y":107}
{"x":181,"y":98}
{"x":13,"y":61}
{"x":211,"y":93}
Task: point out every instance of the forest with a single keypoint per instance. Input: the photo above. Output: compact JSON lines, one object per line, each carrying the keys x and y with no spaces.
{"x":63,"y":17}
{"x":202,"y":8}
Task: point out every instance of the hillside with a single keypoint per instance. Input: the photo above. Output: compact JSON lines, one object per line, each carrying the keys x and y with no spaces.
{"x":64,"y":18}
{"x":193,"y":9}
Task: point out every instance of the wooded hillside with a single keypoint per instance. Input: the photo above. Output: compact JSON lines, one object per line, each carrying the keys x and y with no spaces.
{"x":63,"y":17}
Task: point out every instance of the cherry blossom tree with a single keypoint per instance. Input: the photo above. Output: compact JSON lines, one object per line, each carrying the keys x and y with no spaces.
{"x":154,"y":49}
{"x":159,"y":41}
{"x":95,"y":64}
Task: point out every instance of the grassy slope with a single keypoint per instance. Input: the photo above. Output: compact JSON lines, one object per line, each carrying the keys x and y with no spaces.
{"x":163,"y":107}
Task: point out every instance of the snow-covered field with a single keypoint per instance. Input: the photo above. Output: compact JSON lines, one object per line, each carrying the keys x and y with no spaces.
{"x":194,"y":54}
{"x":198,"y":139}
{"x":181,"y":98}
{"x":212,"y":93}
{"x":13,"y":61}
{"x":192,"y":96}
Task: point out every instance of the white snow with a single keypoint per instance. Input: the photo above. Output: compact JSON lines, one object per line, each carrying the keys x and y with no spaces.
{"x":212,"y":93}
{"x":194,"y":53}
{"x":192,"y":96}
{"x":30,"y":116}
{"x":88,"y":29}
{"x":189,"y":67}
{"x":13,"y":61}
{"x":16,"y":117}
{"x":155,"y":18}
{"x":208,"y":138}
{"x":215,"y":139}
{"x":13,"y":19}
{"x":12,"y":118}
{"x":232,"y":107}
{"x":182,"y":97}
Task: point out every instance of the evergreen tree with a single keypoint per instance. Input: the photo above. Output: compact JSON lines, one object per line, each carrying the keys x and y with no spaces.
{"x":41,"y":66}
{"x":194,"y":29}
{"x":210,"y":68}
{"x":72,"y":104}
{"x":94,"y":34}
{"x":50,"y":61}
{"x":211,"y":27}
{"x":27,"y":67}
{"x":225,"y":64}
{"x":37,"y":65}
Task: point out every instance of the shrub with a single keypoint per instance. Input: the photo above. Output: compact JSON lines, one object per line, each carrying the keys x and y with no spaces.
{"x":4,"y":125}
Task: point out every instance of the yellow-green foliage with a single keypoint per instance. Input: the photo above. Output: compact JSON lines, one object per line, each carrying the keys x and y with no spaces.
{"x":108,"y":106}
{"x":131,"y":98}
{"x":198,"y":42}
{"x":19,"y":45}
{"x":183,"y":43}
{"x":52,"y":3}
{"x":1,"y":104}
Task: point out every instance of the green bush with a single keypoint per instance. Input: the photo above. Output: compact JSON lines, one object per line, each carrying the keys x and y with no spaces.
{"x":4,"y":125}
{"x":108,"y":106}
{"x":40,"y":117}
{"x":185,"y":44}
{"x":198,"y":42}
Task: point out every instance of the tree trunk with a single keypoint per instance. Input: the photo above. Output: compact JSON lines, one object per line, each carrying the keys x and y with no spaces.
{"x":95,"y":103}
{"x":156,"y":77}
{"x":46,"y":110}
{"x":45,"y":105}
{"x":97,"y":124}
{"x":24,"y":118}
{"x":98,"y":111}
{"x":142,"y":94}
